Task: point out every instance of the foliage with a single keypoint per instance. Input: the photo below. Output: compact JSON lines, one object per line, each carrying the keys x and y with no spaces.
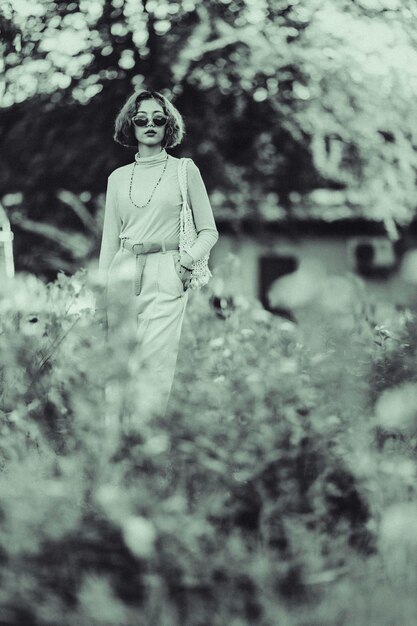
{"x":260,"y":495}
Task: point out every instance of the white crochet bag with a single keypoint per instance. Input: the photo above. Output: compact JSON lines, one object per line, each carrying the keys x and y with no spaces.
{"x":200,"y":274}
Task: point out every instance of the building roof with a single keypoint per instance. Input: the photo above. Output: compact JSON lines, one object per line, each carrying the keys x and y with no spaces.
{"x":320,"y":212}
{"x":315,"y":227}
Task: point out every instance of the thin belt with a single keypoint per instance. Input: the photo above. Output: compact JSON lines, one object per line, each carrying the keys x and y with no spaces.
{"x":141,"y":250}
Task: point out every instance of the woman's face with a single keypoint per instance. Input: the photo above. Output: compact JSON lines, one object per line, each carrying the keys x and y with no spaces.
{"x":148,"y":109}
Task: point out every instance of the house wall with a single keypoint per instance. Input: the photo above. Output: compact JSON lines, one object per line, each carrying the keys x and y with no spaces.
{"x":333,"y":252}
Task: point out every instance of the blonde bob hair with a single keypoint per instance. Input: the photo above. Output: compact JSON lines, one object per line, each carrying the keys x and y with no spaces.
{"x":123,"y":127}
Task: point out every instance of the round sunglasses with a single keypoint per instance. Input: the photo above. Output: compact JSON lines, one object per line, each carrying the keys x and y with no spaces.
{"x":142,"y":120}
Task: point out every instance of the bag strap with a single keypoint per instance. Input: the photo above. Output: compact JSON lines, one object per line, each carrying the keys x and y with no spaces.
{"x":182,"y":177}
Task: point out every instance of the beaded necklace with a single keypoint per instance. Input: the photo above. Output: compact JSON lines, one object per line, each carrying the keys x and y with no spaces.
{"x":131,"y":181}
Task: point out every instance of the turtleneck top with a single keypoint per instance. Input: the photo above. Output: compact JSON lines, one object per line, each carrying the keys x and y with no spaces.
{"x":160,"y":219}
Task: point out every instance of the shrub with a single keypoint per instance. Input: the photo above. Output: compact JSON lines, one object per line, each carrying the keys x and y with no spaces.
{"x":259,"y":484}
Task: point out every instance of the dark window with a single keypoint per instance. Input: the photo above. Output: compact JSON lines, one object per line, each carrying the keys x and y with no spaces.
{"x":270,"y":269}
{"x":374,"y":260}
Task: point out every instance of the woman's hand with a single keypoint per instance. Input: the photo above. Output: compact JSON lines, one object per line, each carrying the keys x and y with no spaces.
{"x":186,"y":259}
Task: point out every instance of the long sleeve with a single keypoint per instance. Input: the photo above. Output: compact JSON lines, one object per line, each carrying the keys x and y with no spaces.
{"x":203,"y":214}
{"x":110,"y":241}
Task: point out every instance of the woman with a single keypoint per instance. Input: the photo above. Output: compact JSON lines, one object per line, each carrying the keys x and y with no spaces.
{"x":147,"y":285}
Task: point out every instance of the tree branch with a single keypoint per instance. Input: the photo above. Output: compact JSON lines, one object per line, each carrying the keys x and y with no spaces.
{"x":71,"y":199}
{"x":78,"y":245}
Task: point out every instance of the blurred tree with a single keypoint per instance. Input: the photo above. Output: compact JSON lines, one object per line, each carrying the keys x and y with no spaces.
{"x":280,"y":98}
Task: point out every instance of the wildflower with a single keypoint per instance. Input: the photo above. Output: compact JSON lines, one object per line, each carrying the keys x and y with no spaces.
{"x":403,"y":468}
{"x":399,"y":525}
{"x":382,"y":332}
{"x":156,"y":445}
{"x":397,"y":407}
{"x":139,"y":535}
{"x":217,"y":342}
{"x":247,"y":332}
{"x":287,"y":366}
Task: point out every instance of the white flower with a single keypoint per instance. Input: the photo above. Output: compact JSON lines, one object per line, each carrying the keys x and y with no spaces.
{"x":397,"y":408}
{"x":287,"y":366}
{"x":399,"y":525}
{"x":247,"y":332}
{"x":156,"y":445}
{"x":139,"y":535}
{"x":402,"y":468}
